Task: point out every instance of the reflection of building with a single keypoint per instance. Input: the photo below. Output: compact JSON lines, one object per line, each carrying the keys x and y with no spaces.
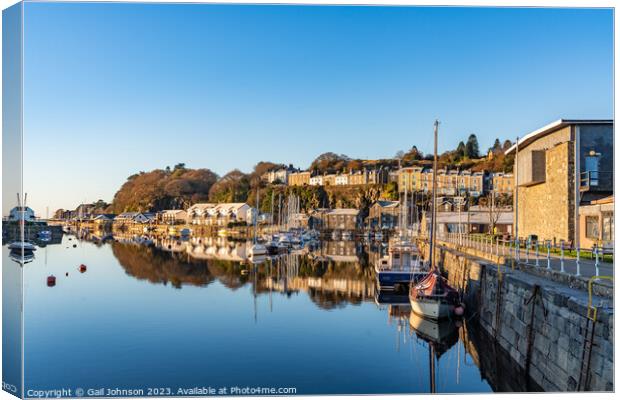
{"x":217,"y":248}
{"x":560,"y":167}
{"x":343,"y":219}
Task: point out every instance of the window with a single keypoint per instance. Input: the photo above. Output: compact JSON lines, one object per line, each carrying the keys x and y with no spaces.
{"x":592,"y":227}
{"x":608,"y":226}
{"x":592,"y":165}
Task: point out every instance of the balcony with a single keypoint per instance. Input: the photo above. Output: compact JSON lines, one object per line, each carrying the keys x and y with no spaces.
{"x":596,"y":181}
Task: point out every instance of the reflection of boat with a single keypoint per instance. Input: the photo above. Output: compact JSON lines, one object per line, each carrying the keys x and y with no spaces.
{"x":45,"y":236}
{"x":389,"y":297}
{"x":21,"y":258}
{"x":22,"y":245}
{"x":432,"y":297}
{"x":257,"y":249}
{"x":378,"y":235}
{"x":440,"y":336}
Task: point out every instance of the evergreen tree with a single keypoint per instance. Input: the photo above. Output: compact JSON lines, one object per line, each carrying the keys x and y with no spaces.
{"x":460,"y":150}
{"x":472,"y":149}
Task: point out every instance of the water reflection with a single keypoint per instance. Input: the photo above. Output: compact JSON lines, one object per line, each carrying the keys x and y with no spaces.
{"x":315,"y":308}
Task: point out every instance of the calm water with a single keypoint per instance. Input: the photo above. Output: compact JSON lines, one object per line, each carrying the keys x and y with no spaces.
{"x":189,"y":314}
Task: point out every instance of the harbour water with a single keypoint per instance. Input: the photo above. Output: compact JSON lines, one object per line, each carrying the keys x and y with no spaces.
{"x":176,"y":315}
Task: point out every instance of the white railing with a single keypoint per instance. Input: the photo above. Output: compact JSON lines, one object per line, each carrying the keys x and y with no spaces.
{"x":539,"y":254}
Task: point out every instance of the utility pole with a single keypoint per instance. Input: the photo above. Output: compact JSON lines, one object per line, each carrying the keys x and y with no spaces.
{"x":516,"y":168}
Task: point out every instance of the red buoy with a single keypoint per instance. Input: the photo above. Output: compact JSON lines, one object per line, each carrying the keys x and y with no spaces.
{"x":82,"y":268}
{"x":51,"y":281}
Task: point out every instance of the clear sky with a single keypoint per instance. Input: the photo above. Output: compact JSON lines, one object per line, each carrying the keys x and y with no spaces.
{"x":112,"y":89}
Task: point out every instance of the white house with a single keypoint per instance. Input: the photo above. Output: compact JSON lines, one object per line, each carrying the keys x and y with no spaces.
{"x":137,"y":217}
{"x":173,"y":216}
{"x":219,"y":214}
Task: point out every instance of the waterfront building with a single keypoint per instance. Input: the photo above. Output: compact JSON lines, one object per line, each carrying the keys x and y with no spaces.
{"x":475,"y":220}
{"x":343,"y":219}
{"x":172,"y":216}
{"x":384,"y":214}
{"x":135,"y":217}
{"x":220,"y":214}
{"x":559,"y":168}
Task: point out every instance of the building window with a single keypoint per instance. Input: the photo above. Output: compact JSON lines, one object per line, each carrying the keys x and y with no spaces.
{"x":608,"y":226}
{"x":592,"y":227}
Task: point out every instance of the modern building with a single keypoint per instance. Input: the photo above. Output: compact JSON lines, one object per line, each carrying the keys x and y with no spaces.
{"x":559,"y":168}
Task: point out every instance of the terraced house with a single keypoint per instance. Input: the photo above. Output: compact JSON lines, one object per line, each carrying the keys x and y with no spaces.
{"x":220,"y":214}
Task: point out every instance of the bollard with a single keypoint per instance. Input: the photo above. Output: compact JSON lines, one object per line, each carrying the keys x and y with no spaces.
{"x":561,"y":256}
{"x":527,"y":252}
{"x":596,"y":261}
{"x":537,"y":264}
{"x":578,"y":266}
{"x":549,"y":255}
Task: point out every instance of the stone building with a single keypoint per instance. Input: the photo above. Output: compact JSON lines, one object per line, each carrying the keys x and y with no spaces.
{"x":343,"y":219}
{"x":384,"y":214}
{"x":558,"y":168}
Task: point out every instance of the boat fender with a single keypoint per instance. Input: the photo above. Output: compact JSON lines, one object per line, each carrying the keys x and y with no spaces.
{"x":459,"y":310}
{"x":82,"y":268}
{"x":51,"y":281}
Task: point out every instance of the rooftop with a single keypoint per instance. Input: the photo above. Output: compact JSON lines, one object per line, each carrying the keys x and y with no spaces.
{"x":552,"y":127}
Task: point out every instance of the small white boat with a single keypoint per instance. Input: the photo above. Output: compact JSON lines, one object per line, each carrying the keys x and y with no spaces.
{"x":20,"y":245}
{"x":401,"y":266}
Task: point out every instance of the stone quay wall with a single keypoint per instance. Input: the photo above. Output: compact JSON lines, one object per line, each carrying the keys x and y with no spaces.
{"x":541,"y":324}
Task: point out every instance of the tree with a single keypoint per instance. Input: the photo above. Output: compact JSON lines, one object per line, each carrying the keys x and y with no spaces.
{"x":472,"y":149}
{"x":497,"y":147}
{"x":231,"y":188}
{"x":461,"y":152}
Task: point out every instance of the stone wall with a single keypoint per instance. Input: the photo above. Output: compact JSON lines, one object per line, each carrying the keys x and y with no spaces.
{"x":543,"y":208}
{"x":542,"y":328}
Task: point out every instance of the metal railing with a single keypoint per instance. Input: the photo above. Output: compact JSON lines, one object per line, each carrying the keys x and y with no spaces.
{"x":539,"y":254}
{"x":596,"y":180}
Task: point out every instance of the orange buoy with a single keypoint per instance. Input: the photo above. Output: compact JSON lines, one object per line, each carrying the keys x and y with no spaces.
{"x":82,"y":268}
{"x":51,"y":281}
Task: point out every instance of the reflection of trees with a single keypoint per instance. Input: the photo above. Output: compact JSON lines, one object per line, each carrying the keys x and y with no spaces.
{"x":157,"y":266}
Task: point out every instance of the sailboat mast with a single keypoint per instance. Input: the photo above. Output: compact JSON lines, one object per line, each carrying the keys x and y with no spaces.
{"x":434,"y":204}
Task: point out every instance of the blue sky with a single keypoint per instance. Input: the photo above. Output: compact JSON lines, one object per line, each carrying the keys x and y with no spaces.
{"x":112,"y":89}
